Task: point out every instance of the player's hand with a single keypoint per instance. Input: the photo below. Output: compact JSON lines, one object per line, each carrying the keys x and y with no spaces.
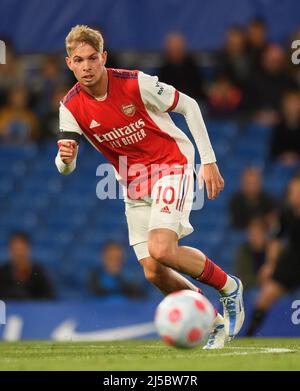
{"x":213,"y":180}
{"x":67,"y":151}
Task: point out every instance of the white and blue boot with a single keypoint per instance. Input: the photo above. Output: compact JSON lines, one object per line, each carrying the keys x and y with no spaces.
{"x":217,"y":337}
{"x":233,"y":307}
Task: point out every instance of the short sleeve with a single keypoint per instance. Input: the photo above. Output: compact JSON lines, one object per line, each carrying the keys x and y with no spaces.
{"x":157,"y":96}
{"x":67,"y":122}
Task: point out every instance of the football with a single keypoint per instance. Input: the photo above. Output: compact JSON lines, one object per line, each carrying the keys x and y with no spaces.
{"x":184,"y":319}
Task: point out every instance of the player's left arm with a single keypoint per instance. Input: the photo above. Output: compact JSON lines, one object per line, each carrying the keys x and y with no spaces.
{"x":158,"y":96}
{"x":189,"y":108}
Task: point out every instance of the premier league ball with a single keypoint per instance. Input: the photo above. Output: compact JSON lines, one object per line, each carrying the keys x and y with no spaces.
{"x":184,"y":319}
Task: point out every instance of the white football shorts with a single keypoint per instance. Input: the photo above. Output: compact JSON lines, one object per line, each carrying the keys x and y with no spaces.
{"x":169,"y":206}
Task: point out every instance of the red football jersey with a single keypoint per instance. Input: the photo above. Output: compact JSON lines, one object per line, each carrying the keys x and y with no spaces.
{"x":133,"y":122}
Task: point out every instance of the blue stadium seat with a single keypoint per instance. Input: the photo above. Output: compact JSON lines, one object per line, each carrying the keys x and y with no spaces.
{"x":12,"y":153}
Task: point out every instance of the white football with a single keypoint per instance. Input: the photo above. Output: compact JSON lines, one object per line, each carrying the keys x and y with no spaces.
{"x":184,"y":319}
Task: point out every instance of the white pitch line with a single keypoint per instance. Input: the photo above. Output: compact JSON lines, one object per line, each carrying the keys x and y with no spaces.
{"x":252,"y":347}
{"x":258,"y":351}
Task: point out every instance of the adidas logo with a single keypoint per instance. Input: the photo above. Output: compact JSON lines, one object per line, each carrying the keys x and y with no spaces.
{"x":93,"y":124}
{"x":165,"y":209}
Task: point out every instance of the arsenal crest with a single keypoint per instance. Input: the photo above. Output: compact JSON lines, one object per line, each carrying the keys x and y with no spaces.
{"x":129,"y":110}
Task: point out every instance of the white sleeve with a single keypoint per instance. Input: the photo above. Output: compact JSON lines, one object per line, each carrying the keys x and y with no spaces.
{"x":67,"y":123}
{"x":63,"y":168}
{"x":188,"y":107}
{"x":156,"y":96}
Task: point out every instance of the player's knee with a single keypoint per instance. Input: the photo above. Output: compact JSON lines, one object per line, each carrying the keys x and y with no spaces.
{"x":162,"y":252}
{"x":153,"y":272}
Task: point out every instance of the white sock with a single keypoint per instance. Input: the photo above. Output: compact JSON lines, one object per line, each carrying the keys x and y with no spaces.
{"x":218,"y":320}
{"x":230,"y":285}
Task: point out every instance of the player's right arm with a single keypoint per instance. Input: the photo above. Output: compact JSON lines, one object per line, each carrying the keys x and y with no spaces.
{"x":68,"y":141}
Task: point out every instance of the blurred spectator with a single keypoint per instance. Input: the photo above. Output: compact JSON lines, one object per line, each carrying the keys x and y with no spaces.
{"x":250,"y":255}
{"x":234,"y":59}
{"x":18,"y":124}
{"x":112,"y":59}
{"x":111,"y":278}
{"x":281,"y":271}
{"x":10,"y":73}
{"x":269,"y":85}
{"x":46,"y":82}
{"x":20,"y":277}
{"x":285,"y":141}
{"x":179,"y":68}
{"x":294,"y":68}
{"x":256,"y":42}
{"x":251,"y":200}
{"x":224,"y":98}
{"x":50,"y":121}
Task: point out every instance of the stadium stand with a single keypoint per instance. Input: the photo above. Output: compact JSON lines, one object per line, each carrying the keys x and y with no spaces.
{"x":68,"y":224}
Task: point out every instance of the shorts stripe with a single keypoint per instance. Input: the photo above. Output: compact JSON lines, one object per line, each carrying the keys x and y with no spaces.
{"x":187,"y":189}
{"x":179,"y":191}
{"x":182,"y":192}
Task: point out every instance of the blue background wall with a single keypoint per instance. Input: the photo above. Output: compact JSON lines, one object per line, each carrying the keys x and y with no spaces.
{"x":98,"y":319}
{"x":140,"y":24}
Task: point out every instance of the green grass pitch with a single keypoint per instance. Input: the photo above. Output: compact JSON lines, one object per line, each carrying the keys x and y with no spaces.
{"x":241,"y":354}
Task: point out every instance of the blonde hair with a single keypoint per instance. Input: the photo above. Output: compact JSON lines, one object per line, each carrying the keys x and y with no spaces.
{"x":84,"y":34}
